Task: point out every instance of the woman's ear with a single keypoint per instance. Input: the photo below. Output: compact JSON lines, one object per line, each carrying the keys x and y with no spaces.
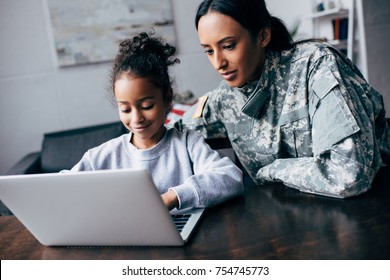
{"x":264,"y":36}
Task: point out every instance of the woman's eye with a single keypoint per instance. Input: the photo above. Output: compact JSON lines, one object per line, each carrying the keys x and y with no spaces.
{"x":208,"y":52}
{"x":229,"y":47}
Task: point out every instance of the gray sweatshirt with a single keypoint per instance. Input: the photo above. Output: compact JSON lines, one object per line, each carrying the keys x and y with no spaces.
{"x":181,"y":161}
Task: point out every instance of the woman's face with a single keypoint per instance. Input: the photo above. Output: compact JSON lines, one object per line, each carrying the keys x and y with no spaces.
{"x":142,"y":110}
{"x":230,"y":48}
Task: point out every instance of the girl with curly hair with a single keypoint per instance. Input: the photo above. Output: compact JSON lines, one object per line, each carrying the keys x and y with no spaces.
{"x":186,"y":171}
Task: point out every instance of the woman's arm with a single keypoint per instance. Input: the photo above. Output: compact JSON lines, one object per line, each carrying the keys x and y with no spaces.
{"x":348,"y":135}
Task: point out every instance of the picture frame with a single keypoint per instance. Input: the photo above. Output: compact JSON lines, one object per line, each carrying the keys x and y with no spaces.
{"x":88,"y":32}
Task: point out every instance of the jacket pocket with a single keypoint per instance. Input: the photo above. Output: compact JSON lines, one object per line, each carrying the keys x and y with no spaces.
{"x":295,"y":130}
{"x":239,"y":131}
{"x":332,"y":120}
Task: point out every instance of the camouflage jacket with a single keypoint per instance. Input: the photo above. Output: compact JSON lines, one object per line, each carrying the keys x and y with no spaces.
{"x":311,"y":122}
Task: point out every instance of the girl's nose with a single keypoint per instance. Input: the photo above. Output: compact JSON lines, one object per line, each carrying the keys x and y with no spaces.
{"x":137,"y":117}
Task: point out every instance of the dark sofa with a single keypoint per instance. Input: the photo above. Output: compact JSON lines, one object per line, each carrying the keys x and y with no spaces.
{"x":62,"y":150}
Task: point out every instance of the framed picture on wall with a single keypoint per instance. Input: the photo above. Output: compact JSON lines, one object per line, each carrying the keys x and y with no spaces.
{"x":89,"y":31}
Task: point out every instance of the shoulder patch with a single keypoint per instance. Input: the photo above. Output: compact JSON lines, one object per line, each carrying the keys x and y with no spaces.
{"x":199,"y":107}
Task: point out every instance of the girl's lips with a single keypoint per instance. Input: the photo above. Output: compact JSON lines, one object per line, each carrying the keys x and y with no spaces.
{"x":230,"y":75}
{"x":140,"y":128}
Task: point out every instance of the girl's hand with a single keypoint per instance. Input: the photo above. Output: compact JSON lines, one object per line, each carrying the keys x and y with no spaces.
{"x":170,"y":199}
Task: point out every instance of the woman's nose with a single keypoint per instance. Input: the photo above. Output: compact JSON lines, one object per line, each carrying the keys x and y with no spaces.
{"x":219,"y":61}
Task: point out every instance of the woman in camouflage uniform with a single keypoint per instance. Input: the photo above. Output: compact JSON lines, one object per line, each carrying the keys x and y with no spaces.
{"x":297,"y":113}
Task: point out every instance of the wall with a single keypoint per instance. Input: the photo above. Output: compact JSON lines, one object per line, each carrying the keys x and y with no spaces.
{"x":377,"y":26}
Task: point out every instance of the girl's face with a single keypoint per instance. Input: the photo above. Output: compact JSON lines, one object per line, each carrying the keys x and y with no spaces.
{"x":231,"y":49}
{"x":142,"y":110}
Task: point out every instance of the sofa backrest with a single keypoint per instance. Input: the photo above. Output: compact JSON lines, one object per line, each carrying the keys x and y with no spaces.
{"x":62,"y":150}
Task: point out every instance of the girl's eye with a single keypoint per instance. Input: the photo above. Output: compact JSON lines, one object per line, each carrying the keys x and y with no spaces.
{"x":148,"y":107}
{"x":125,"y":110}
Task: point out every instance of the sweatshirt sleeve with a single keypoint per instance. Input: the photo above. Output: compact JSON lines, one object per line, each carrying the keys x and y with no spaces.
{"x":85,"y":163}
{"x":215,"y":179}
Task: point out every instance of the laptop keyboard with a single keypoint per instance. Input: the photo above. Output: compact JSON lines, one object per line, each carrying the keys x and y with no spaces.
{"x":180,"y":220}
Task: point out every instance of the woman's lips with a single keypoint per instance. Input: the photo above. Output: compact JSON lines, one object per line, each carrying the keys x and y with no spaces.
{"x":229,"y":75}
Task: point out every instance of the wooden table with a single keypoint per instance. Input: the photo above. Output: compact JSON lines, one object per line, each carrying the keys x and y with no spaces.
{"x":273,"y":222}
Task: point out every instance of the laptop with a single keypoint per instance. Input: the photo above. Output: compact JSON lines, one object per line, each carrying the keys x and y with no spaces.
{"x":96,"y":208}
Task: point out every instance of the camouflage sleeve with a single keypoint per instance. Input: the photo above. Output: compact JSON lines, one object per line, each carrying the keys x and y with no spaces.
{"x":343,"y":109}
{"x":203,"y":117}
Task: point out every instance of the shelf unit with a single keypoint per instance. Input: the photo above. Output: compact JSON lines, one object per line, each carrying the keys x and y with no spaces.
{"x":354,"y":45}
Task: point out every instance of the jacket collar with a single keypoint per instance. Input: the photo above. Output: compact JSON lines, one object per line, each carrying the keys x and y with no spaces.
{"x":258,"y":91}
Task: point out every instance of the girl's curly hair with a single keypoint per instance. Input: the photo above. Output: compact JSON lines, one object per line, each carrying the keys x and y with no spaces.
{"x":145,"y":57}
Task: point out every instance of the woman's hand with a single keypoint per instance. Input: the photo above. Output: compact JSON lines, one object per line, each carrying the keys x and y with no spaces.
{"x":170,"y":199}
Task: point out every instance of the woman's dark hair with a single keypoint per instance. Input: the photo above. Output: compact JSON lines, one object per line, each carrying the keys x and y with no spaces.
{"x":253,"y":16}
{"x":145,"y":57}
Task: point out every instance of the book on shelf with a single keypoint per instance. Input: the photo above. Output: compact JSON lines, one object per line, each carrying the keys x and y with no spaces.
{"x":340,"y":28}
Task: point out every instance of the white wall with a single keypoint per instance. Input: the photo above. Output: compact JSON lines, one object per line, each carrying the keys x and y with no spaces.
{"x":377,"y":26}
